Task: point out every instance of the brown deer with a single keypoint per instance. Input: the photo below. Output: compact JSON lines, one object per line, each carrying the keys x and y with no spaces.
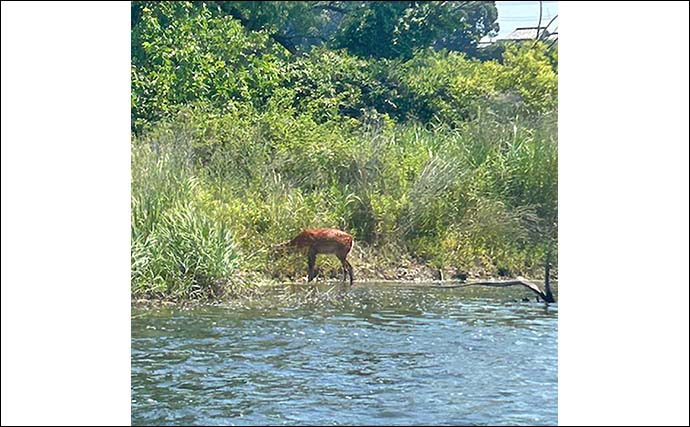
{"x":323,"y":241}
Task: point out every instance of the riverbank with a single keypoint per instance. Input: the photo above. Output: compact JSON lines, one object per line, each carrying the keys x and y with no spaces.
{"x":479,"y":201}
{"x":266,"y":289}
{"x":370,"y":266}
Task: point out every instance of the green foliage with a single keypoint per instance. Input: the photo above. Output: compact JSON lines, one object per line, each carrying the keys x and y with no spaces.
{"x":531,"y":75}
{"x":327,"y":84}
{"x":449,"y":88}
{"x":184,"y":55}
{"x":475,"y":197}
{"x":381,"y":29}
{"x":387,"y":29}
{"x":177,"y":250}
{"x":291,"y":24}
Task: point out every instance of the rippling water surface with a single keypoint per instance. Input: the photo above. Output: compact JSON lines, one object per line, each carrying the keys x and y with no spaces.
{"x":375,"y":354}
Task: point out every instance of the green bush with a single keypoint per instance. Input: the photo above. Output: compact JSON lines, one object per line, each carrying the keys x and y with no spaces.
{"x":184,"y":55}
{"x":449,"y":88}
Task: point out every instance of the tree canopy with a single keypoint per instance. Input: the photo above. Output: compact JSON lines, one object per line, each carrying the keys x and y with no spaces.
{"x":381,"y":29}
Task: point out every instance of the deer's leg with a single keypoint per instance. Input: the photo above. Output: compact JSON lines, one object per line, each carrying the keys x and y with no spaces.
{"x":347,"y":268}
{"x":343,"y":262}
{"x":311,"y":260}
{"x":350,"y":270}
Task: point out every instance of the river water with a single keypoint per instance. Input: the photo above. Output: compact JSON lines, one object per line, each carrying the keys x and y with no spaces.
{"x":375,"y":354}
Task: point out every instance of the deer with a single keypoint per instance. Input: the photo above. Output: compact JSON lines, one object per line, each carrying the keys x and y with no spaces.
{"x":323,"y":241}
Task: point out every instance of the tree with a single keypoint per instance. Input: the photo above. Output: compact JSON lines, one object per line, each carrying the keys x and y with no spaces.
{"x":381,"y":29}
{"x":291,"y":24}
{"x":184,"y":55}
{"x":396,"y":29}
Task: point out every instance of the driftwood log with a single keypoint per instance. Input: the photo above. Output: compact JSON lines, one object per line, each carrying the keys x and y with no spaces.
{"x":546,"y":295}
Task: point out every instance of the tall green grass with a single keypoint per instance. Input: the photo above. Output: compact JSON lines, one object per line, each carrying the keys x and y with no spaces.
{"x":177,"y":250}
{"x":212,"y":195}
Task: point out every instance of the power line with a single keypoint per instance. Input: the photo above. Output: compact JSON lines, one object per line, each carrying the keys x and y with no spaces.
{"x":525,"y":18}
{"x":524,"y":3}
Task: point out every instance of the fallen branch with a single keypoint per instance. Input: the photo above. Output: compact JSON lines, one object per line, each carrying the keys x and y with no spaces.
{"x":521,"y":281}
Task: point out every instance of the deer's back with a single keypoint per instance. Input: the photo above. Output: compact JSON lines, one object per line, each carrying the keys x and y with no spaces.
{"x":326,"y":240}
